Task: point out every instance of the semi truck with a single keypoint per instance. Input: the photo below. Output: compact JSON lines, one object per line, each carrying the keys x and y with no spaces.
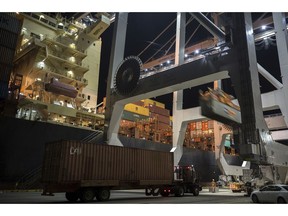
{"x":84,"y":171}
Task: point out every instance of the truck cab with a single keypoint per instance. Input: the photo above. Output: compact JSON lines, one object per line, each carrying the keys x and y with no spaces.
{"x":185,"y":181}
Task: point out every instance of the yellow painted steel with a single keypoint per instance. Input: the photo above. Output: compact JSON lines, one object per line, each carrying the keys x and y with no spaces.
{"x":152,"y":102}
{"x":137,"y":109}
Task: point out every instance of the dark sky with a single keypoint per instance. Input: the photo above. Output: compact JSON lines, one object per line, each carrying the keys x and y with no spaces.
{"x":145,"y":27}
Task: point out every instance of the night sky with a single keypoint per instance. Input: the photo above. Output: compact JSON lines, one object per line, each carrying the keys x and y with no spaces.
{"x":145,"y":27}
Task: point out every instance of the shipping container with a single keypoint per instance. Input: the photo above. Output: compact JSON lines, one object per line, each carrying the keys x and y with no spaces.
{"x":161,"y":118}
{"x":130,"y":116}
{"x":198,"y":125}
{"x":204,"y":125}
{"x":137,"y":109}
{"x":148,"y":102}
{"x":159,"y":110}
{"x":210,"y":124}
{"x":193,"y":126}
{"x":78,"y":162}
{"x":139,"y":103}
{"x":84,"y":171}
{"x":162,"y":126}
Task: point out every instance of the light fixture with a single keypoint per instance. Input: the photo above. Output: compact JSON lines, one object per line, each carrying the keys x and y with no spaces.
{"x":72,"y":59}
{"x":186,"y":55}
{"x":41,"y":64}
{"x":168,"y":62}
{"x":263,"y":27}
{"x":197,"y":51}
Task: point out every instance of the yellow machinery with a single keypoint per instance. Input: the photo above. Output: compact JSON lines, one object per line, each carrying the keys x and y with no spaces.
{"x":237,"y":186}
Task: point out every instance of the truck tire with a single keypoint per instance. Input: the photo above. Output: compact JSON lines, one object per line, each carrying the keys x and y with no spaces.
{"x":195,"y":191}
{"x":148,"y":191}
{"x":103,"y":194}
{"x":87,"y":195}
{"x":179,"y":191}
{"x":155,"y":191}
{"x":72,"y":196}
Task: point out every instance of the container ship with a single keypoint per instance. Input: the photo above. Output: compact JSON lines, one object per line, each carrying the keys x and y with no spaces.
{"x":49,"y":86}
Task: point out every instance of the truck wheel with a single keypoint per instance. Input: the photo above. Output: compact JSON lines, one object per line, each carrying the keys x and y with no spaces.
{"x":148,"y":191}
{"x":179,"y":191}
{"x":87,"y":195}
{"x":155,"y":191}
{"x":71,"y":196}
{"x":103,"y":194}
{"x":195,"y":191}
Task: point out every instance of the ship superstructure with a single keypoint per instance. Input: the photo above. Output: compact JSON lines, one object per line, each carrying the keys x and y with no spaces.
{"x":56,"y":59}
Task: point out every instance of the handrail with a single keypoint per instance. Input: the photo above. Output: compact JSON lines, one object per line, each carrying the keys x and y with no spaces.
{"x":29,"y":179}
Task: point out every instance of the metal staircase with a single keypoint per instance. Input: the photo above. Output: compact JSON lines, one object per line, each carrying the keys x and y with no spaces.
{"x":31,"y":180}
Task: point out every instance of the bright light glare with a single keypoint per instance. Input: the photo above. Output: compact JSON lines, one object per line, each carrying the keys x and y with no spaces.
{"x":263,"y":27}
{"x":244,"y":163}
{"x":173,"y":149}
{"x":197,"y":51}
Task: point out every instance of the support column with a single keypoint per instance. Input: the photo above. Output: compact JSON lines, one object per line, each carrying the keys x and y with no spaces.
{"x":282,"y":47}
{"x":114,"y":111}
{"x":217,"y":83}
{"x":178,"y":125}
{"x":253,"y":136}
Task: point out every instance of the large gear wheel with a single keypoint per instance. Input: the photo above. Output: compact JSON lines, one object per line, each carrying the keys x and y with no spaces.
{"x":127,"y":75}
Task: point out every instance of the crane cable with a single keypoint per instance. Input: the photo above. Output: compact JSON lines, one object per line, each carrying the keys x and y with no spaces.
{"x":156,"y":38}
{"x":190,"y":20}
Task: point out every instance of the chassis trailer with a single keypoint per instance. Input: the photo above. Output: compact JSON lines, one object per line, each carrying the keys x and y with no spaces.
{"x":85,"y":171}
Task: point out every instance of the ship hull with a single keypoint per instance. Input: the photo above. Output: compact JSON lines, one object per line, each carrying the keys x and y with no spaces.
{"x":22,"y":145}
{"x":23,"y":141}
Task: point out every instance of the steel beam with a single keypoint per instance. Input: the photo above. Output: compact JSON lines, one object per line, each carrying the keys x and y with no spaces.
{"x":185,"y":76}
{"x":117,"y":55}
{"x":178,"y":128}
{"x":282,"y":48}
{"x":254,"y":133}
{"x":210,"y":26}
